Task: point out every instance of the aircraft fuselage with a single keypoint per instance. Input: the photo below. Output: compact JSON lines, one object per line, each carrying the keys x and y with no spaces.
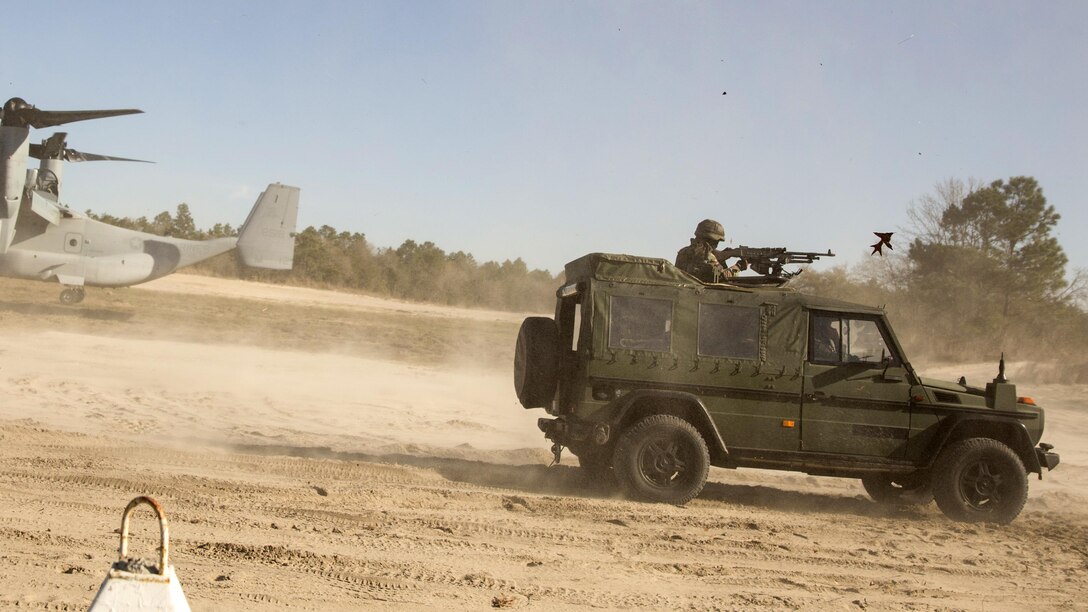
{"x":42,"y":239}
{"x":82,"y":251}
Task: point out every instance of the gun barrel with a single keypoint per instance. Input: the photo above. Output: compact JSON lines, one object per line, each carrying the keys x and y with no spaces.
{"x":770,"y":252}
{"x":744,"y":251}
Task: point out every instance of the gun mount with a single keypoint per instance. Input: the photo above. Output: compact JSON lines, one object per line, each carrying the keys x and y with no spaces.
{"x":768,"y":262}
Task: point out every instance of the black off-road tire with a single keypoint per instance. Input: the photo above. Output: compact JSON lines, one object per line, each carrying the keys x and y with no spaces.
{"x":536,"y":362}
{"x":899,"y":489}
{"x":980,"y":480}
{"x":661,"y":458}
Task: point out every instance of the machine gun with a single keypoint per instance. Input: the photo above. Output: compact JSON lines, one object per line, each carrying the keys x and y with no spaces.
{"x":768,"y":262}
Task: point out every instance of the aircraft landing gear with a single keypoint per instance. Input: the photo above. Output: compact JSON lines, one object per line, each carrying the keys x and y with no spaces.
{"x":72,"y":295}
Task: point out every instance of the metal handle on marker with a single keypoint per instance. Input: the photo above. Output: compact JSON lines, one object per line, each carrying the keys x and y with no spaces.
{"x":164,"y":535}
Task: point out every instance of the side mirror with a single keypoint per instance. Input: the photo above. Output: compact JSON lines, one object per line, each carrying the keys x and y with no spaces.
{"x":886,"y":362}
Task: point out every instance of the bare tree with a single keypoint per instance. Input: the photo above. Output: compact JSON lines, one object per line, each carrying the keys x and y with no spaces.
{"x":926,"y":214}
{"x":1076,"y":291}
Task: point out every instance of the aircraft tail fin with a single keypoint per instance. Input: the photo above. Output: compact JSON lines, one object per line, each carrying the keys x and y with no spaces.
{"x":267,"y":238}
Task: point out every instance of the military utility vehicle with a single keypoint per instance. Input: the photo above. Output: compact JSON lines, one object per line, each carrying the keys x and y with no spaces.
{"x":651,"y":376}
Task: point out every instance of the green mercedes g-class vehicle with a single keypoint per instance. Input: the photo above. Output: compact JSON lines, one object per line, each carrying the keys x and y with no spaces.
{"x":651,"y":376}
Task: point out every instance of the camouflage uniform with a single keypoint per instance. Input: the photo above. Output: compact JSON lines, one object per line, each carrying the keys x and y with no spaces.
{"x":700,"y":259}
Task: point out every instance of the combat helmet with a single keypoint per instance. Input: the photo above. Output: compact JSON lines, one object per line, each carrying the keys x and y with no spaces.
{"x":709,"y":229}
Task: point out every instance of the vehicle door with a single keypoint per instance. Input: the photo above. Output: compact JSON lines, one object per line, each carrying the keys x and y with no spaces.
{"x":569,"y":321}
{"x":856,"y":396}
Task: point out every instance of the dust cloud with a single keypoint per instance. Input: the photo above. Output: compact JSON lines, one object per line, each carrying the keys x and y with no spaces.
{"x":325,"y":451}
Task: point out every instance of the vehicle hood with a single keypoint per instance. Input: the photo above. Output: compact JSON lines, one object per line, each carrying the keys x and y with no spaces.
{"x":944,"y":385}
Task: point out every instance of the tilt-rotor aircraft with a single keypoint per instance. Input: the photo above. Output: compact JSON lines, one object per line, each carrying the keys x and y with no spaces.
{"x":43,"y":239}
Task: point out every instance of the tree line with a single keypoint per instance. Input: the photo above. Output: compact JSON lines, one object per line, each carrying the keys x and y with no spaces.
{"x":982,"y":273}
{"x":328,"y":258}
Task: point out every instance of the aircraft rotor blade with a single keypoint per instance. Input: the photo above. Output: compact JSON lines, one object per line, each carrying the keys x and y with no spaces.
{"x":50,"y":148}
{"x":71,"y":155}
{"x":18,"y":113}
{"x":42,"y":119}
{"x":55,"y":147}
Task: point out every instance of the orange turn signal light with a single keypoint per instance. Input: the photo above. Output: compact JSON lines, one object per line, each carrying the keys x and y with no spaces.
{"x":1023,"y":399}
{"x":789,"y":423}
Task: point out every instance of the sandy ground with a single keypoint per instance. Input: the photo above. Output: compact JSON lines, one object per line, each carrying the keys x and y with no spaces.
{"x":316,"y":450}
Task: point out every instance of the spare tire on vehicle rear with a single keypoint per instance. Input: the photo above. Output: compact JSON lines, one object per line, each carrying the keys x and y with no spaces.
{"x":536,"y":362}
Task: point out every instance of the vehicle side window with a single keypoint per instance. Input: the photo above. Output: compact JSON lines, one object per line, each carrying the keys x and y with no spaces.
{"x":577,"y":327}
{"x":637,"y":323}
{"x":728,"y":331}
{"x":825,"y":339}
{"x":863,"y":342}
{"x":570,"y":321}
{"x":842,"y":339}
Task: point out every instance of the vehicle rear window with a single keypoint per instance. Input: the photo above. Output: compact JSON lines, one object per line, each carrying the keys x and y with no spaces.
{"x":728,"y":331}
{"x":637,"y":323}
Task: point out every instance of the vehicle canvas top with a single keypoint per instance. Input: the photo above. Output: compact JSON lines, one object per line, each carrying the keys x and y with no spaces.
{"x":655,"y":271}
{"x":628,"y":269}
{"x":764,"y":348}
{"x":651,"y":376}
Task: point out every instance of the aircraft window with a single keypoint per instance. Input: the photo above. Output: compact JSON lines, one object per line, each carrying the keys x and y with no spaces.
{"x":640,"y":324}
{"x":728,"y":331}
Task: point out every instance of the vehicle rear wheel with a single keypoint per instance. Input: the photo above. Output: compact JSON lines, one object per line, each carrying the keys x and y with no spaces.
{"x":980,"y":479}
{"x":536,"y":362}
{"x":661,"y":458}
{"x":910,"y":489}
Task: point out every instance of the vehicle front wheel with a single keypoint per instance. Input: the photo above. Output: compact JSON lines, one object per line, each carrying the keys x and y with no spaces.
{"x":909,"y":489}
{"x":980,"y":479}
{"x":661,"y":458}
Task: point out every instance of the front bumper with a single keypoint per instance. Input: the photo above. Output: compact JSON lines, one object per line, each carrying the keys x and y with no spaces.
{"x":1047,"y":459}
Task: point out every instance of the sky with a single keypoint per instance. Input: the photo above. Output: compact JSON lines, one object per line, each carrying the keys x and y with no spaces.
{"x":548,"y":130}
